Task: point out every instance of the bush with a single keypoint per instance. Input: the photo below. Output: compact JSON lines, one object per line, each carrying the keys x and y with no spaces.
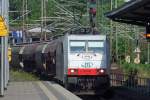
{"x":143,"y":69}
{"x":16,"y":75}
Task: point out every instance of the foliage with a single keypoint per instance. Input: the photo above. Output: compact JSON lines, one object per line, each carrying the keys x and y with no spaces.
{"x":22,"y":76}
{"x":143,"y":69}
{"x":125,"y":45}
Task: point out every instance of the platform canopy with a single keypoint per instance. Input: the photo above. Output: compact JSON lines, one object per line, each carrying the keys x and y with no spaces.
{"x":136,"y":12}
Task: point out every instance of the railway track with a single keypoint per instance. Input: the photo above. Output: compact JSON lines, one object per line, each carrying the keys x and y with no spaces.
{"x":108,"y":95}
{"x":89,"y":97}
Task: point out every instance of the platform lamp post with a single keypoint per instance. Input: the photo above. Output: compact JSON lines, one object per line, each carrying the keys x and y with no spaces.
{"x":3,"y":69}
{"x":148,"y":54}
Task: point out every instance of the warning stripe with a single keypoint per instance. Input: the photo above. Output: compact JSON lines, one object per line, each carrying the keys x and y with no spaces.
{"x":48,"y":93}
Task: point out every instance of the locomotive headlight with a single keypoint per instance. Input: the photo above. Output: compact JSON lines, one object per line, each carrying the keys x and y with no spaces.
{"x":102,"y":71}
{"x":72,"y":71}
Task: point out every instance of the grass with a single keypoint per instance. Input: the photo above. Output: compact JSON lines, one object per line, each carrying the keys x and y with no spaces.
{"x":16,"y":75}
{"x":143,"y":69}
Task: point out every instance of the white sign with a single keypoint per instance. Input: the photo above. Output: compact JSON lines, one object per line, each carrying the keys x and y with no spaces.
{"x":127,"y":59}
{"x":137,"y":50}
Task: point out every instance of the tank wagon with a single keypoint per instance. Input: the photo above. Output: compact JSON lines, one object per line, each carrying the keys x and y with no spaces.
{"x":23,"y":56}
{"x":79,"y":61}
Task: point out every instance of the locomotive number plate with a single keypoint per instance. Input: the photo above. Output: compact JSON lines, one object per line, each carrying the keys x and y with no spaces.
{"x":87,"y":71}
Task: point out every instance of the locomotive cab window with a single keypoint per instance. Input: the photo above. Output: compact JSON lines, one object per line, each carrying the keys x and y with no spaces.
{"x":77,"y":46}
{"x":96,"y":46}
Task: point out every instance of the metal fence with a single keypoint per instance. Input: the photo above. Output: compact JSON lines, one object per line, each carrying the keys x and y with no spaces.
{"x":138,"y":85}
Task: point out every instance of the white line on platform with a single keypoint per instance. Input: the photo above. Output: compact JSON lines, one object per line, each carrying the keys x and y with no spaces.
{"x":48,"y":93}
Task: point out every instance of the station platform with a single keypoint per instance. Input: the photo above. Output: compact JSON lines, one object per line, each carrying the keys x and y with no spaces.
{"x":37,"y":90}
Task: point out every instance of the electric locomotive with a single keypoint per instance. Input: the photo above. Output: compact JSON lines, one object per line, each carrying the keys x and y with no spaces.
{"x":82,"y":61}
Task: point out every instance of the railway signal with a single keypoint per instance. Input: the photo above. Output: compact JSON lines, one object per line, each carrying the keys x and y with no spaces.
{"x":92,"y":12}
{"x":147,"y":34}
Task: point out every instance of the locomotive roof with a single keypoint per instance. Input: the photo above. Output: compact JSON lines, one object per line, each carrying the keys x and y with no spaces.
{"x":87,"y":37}
{"x":84,"y":30}
{"x":78,"y":31}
